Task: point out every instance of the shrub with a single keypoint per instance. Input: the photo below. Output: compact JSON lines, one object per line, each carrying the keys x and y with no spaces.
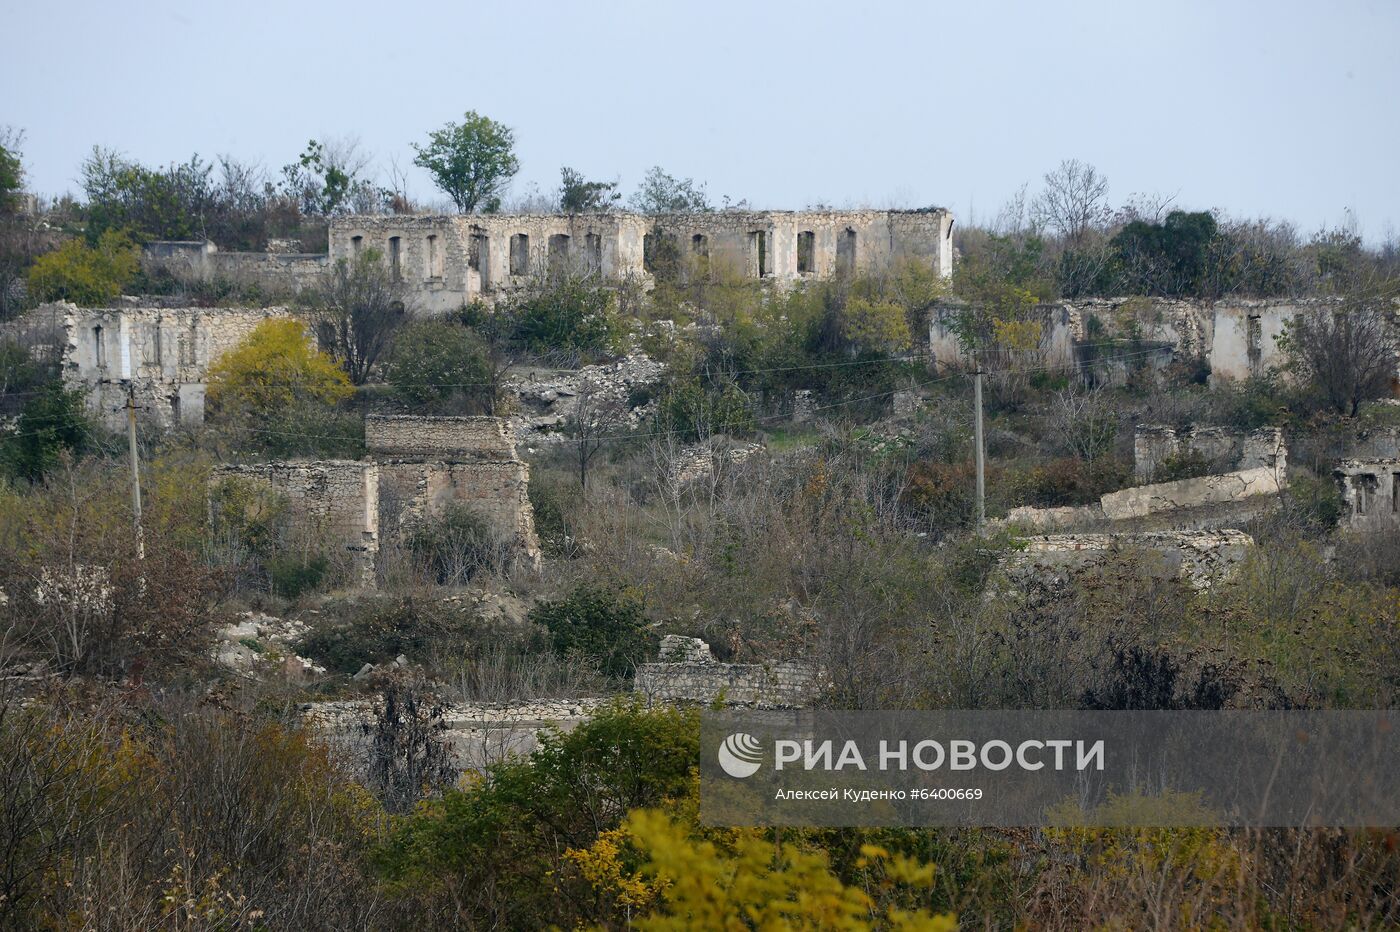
{"x":52,"y":422}
{"x":695,"y":411}
{"x":379,"y":630}
{"x":85,"y":275}
{"x":495,"y":848}
{"x":602,"y":625}
{"x":572,"y":316}
{"x":454,"y":546}
{"x":293,"y":575}
{"x":440,"y":367}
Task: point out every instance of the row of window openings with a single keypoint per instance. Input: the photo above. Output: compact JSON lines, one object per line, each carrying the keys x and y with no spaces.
{"x":1368,"y":484}
{"x":478,"y":256}
{"x":654,"y":246}
{"x":761,"y":249}
{"x":152,"y":355}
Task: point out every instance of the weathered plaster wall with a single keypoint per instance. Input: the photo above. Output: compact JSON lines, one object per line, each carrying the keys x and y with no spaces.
{"x":1371,"y":492}
{"x":165,"y":352}
{"x":1056,"y":351}
{"x":1190,"y":493}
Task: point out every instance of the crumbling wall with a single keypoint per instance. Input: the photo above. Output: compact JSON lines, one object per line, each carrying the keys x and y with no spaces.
{"x":1227,"y":449}
{"x":276,"y":272}
{"x":428,"y":463}
{"x":1057,"y":336}
{"x":1144,"y":500}
{"x":164,"y":352}
{"x":330,"y":502}
{"x":1202,"y":558}
{"x":688,"y":673}
{"x":445,"y":261}
{"x":1371,"y":492}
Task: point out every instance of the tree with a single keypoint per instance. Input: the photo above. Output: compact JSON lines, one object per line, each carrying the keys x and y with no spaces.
{"x":1167,"y":258}
{"x":578,"y":196}
{"x":53,"y":421}
{"x":325,"y":180}
{"x":170,"y":203}
{"x":1074,"y":201}
{"x":360,"y":308}
{"x":11,"y":169}
{"x":1346,"y":355}
{"x":471,"y":161}
{"x":274,"y":369}
{"x":597,"y":414}
{"x":660,"y":193}
{"x":443,"y":367}
{"x":86,"y":275}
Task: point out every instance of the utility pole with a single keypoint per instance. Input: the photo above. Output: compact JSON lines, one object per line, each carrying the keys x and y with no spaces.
{"x":135,"y":468}
{"x":981,"y":454}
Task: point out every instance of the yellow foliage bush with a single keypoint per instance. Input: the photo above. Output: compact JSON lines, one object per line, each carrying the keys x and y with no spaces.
{"x":275,"y":367}
{"x":742,"y":881}
{"x":85,"y":275}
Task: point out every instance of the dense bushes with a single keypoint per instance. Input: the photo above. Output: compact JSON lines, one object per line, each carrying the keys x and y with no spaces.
{"x":604,"y":626}
{"x":91,"y":276}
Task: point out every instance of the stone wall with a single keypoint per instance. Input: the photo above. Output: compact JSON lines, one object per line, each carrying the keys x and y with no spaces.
{"x":1223,"y":448}
{"x":688,"y":674}
{"x":1056,"y":351}
{"x":1371,"y":492}
{"x":366,"y":506}
{"x":165,"y":352}
{"x":429,"y":463}
{"x":330,"y":502}
{"x":1182,"y":494}
{"x":448,"y":260}
{"x":1201,"y":558}
{"x":273,"y":271}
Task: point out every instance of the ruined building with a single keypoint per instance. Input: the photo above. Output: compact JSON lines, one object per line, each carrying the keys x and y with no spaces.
{"x":414,"y":469}
{"x":1231,"y":338}
{"x":164,"y":352}
{"x":446,"y":261}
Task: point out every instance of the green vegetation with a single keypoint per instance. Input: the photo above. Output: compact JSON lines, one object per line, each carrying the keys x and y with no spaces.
{"x":86,"y":275}
{"x":470,"y":161}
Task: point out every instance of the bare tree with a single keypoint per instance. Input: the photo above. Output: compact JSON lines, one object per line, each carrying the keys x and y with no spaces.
{"x":598,"y":414}
{"x":1074,"y":201}
{"x":360,"y":305}
{"x":1348,"y":354}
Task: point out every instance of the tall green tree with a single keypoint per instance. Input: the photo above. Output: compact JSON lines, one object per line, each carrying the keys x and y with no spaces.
{"x":11,"y":169}
{"x":577,"y":195}
{"x":471,"y":161}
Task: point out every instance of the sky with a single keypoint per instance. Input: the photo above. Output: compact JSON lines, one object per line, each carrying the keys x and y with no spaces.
{"x":1277,"y":108}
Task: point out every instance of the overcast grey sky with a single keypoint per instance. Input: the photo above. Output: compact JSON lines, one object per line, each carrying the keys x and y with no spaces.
{"x":1284,"y":108}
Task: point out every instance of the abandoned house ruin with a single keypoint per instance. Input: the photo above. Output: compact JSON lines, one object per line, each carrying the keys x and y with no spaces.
{"x":165,"y":354}
{"x":1106,"y":338}
{"x":446,"y":261}
{"x":1370,"y":492}
{"x":414,"y":469}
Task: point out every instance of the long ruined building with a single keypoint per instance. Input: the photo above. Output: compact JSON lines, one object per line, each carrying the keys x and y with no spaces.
{"x":415,"y":467}
{"x":444,"y":262}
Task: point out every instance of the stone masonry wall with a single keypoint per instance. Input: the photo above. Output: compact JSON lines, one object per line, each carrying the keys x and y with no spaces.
{"x":1371,"y":491}
{"x":448,"y":260}
{"x":1225,"y":448}
{"x":688,"y":673}
{"x":330,"y":502}
{"x":1202,"y":558}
